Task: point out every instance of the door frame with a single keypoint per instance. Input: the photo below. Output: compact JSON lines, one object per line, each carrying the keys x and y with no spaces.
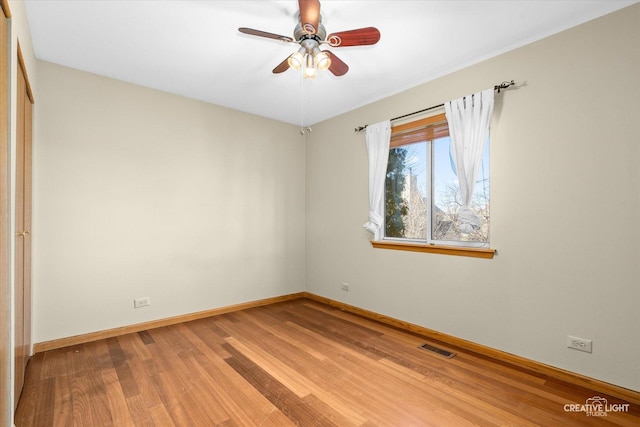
{"x":22,"y":213}
{"x":6,"y":385}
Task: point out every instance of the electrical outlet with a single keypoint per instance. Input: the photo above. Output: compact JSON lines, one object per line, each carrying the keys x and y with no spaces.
{"x":345,"y":286}
{"x":141,"y":302}
{"x":578,"y":343}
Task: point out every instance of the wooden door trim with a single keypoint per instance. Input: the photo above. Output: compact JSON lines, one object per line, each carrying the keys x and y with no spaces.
{"x":20,"y":240}
{"x":23,"y":205}
{"x":26,"y":75}
{"x":5,"y":339}
{"x":4,"y":4}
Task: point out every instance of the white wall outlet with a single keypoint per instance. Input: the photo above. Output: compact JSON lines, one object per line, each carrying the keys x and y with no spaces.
{"x":141,"y":302}
{"x":345,"y":286}
{"x":578,"y":343}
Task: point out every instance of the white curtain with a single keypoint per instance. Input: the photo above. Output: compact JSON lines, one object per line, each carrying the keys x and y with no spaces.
{"x":378,"y":137}
{"x":469,"y":118}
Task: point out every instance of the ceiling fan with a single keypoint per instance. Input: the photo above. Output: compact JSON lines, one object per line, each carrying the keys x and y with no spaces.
{"x":310,"y":34}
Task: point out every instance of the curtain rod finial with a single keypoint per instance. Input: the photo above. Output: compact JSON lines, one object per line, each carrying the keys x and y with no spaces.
{"x":504,"y":85}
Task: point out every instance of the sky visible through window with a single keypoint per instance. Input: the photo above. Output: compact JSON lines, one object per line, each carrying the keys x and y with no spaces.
{"x":444,"y":172}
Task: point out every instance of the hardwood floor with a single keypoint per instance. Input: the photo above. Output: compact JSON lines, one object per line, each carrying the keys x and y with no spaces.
{"x":293,"y":363}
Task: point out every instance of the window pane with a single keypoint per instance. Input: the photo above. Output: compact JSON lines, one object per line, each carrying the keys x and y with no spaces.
{"x":447,"y":200}
{"x":406,"y":192}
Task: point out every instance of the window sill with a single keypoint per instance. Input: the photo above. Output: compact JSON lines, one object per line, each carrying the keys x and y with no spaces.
{"x":435,"y":249}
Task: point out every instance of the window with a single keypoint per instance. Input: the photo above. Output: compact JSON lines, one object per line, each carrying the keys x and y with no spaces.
{"x":422,"y":195}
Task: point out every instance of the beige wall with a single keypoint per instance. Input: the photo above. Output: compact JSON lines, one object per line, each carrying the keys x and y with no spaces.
{"x":142,"y":193}
{"x":565,"y":173}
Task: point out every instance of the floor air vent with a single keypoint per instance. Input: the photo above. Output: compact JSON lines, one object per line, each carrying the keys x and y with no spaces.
{"x":440,"y":351}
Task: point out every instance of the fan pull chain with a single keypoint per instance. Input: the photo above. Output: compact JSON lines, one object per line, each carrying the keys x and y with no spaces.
{"x":303,"y":130}
{"x":301,"y":105}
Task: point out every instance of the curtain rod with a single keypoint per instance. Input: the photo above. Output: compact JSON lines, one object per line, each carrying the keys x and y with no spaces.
{"x":498,"y":88}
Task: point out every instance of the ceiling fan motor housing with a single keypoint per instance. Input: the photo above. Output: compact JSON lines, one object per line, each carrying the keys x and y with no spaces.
{"x":300,"y":33}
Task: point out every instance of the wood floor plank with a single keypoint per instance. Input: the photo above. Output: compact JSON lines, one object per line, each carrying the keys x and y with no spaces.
{"x":454,"y":400}
{"x":278,"y":330}
{"x":273,"y":366}
{"x":44,"y":409}
{"x":160,"y":417}
{"x":164,"y":385}
{"x":295,"y":382}
{"x":29,"y":397}
{"x":83,"y":402}
{"x":209,"y":334}
{"x":380,"y":392}
{"x":138,"y":410}
{"x":235,"y":394}
{"x":217,"y":406}
{"x":296,"y":362}
{"x":63,"y":404}
{"x":116,"y":398}
{"x":280,"y":396}
{"x":147,"y":393}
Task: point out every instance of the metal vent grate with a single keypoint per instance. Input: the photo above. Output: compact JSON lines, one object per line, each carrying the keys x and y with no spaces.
{"x":440,"y":351}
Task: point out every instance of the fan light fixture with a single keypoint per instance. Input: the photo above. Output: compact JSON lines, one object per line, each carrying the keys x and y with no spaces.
{"x":310,"y":57}
{"x":322,"y":59}
{"x":310,"y":69}
{"x":296,"y":60}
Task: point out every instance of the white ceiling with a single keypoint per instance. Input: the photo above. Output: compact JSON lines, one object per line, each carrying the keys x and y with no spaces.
{"x":193,"y":48}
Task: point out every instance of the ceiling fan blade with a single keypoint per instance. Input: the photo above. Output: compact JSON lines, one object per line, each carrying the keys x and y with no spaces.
{"x":360,"y":37}
{"x":259,"y":33}
{"x":337,"y":67}
{"x":309,"y":15}
{"x":282,"y":67}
